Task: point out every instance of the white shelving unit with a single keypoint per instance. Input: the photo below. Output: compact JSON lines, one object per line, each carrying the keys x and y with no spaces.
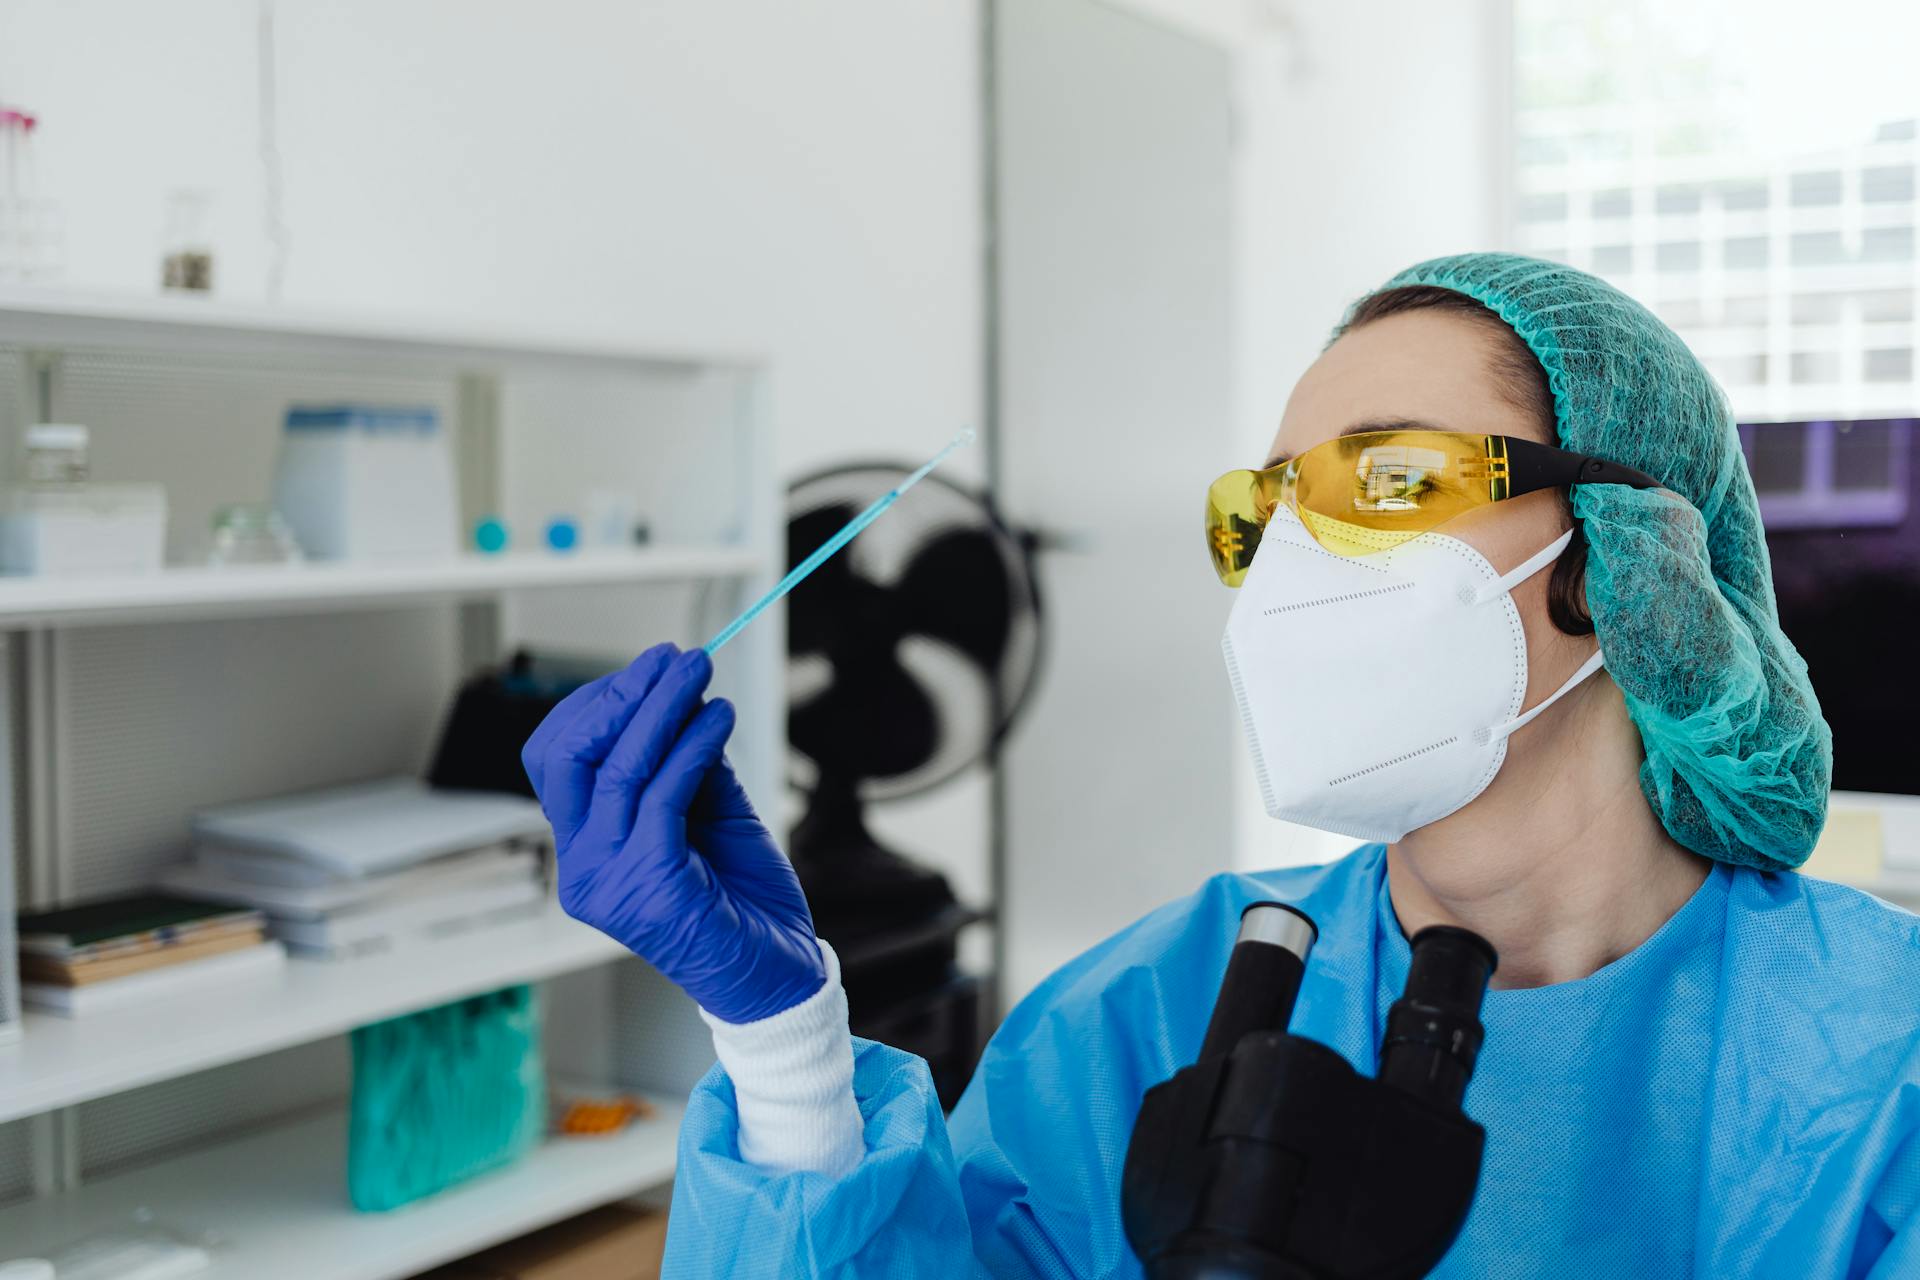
{"x":183,"y":593}
{"x":275,"y":1202}
{"x":63,"y":1061}
{"x":129,"y":702}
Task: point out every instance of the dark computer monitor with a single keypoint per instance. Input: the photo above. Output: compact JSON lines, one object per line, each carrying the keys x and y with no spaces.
{"x":1841,"y":505}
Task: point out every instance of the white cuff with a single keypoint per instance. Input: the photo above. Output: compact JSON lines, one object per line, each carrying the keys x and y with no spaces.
{"x":792,"y":1079}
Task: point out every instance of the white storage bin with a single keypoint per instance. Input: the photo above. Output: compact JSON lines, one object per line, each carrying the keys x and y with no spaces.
{"x":362,"y":482}
{"x":58,"y":522}
{"x":93,"y":528}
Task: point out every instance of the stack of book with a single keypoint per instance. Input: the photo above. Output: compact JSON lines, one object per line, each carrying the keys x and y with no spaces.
{"x":115,"y":952}
{"x":372,"y":868}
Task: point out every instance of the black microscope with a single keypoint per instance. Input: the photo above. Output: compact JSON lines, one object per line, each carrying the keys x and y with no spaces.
{"x":1271,"y":1158}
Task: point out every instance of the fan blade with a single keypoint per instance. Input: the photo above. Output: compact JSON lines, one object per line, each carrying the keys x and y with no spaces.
{"x":957,"y":589}
{"x":817,"y":607}
{"x":874,"y":721}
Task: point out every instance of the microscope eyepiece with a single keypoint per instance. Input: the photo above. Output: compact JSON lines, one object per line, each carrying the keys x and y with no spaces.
{"x":1279,"y":924}
{"x":1269,"y":959}
{"x":1433,"y":1030}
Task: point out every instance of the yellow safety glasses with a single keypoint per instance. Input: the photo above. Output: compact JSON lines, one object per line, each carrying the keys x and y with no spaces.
{"x":1372,"y":490}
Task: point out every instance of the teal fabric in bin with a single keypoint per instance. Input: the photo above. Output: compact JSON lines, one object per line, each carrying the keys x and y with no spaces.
{"x":442,"y":1095}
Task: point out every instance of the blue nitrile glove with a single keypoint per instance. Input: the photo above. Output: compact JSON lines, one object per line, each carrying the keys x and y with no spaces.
{"x":659,"y":847}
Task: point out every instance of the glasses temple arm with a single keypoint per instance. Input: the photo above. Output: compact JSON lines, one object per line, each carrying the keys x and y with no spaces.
{"x":1532,"y":466}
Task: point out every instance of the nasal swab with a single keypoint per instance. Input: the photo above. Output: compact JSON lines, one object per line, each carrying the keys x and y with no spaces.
{"x":837,"y":541}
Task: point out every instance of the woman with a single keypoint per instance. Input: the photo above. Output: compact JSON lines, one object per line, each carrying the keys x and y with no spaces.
{"x":1696,"y":1062}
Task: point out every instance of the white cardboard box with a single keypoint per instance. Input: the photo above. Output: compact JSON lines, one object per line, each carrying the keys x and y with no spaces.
{"x":90,"y":528}
{"x":357,"y":482}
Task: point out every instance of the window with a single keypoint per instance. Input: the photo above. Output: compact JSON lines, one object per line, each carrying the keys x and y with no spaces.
{"x":1886,"y":304}
{"x":1683,"y":313}
{"x":1818,"y":248}
{"x":1742,"y":252}
{"x":1678,"y":255}
{"x":1613,"y":259}
{"x":1816,"y":188}
{"x":1617,"y":203}
{"x":1890,"y":183}
{"x":1819,"y":308}
{"x":1677,"y":199}
{"x":1738,"y":371}
{"x":1547,"y":208}
{"x":1894,"y":364}
{"x":1816,"y":366}
{"x":1760,"y":195}
{"x":1887,"y":244}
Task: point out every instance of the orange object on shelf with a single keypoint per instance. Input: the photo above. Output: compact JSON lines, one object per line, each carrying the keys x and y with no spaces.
{"x":595,"y":1117}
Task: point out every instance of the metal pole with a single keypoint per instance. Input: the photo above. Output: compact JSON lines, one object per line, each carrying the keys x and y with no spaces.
{"x":990,"y":433}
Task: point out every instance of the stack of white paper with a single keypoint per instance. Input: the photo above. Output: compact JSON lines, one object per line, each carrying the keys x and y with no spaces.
{"x":370,"y":868}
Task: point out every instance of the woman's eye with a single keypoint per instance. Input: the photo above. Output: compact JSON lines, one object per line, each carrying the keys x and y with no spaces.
{"x":1392,"y":488}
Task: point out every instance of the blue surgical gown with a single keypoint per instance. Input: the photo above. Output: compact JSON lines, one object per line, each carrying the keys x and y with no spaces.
{"x":1739,"y":1096}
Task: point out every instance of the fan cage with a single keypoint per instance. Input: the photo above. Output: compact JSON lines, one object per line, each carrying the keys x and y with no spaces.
{"x":1019,"y":669}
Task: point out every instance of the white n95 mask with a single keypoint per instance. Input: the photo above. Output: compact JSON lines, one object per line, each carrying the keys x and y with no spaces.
{"x":1378,"y":691}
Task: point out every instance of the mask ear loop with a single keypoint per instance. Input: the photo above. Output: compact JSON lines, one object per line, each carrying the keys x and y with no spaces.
{"x":1500,"y":587}
{"x":1525,"y":569}
{"x":1587,"y":668}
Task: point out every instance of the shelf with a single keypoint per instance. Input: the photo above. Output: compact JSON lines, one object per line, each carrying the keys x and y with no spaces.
{"x":279,"y":589}
{"x":277,"y":1201}
{"x":60,"y":1061}
{"x":60,"y":317}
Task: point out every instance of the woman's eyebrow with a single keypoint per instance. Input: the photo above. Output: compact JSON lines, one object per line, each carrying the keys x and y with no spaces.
{"x":1366,"y":424}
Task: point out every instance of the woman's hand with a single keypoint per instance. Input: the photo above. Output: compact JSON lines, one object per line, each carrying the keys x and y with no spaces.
{"x":659,"y":847}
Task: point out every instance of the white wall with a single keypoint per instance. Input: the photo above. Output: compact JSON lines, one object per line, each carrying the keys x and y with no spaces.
{"x":1116,"y":336}
{"x":799,"y":179}
{"x":1366,"y":137}
{"x":1370,"y":134}
{"x":1373,"y":135}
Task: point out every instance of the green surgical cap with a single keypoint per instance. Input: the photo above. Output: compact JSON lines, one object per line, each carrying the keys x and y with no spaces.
{"x":1738,"y":758}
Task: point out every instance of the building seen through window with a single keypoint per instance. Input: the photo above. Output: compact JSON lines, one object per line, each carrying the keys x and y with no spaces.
{"x":1771,"y":221}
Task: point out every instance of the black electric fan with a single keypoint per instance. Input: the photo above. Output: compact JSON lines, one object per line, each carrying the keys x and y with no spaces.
{"x":909,"y":655}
